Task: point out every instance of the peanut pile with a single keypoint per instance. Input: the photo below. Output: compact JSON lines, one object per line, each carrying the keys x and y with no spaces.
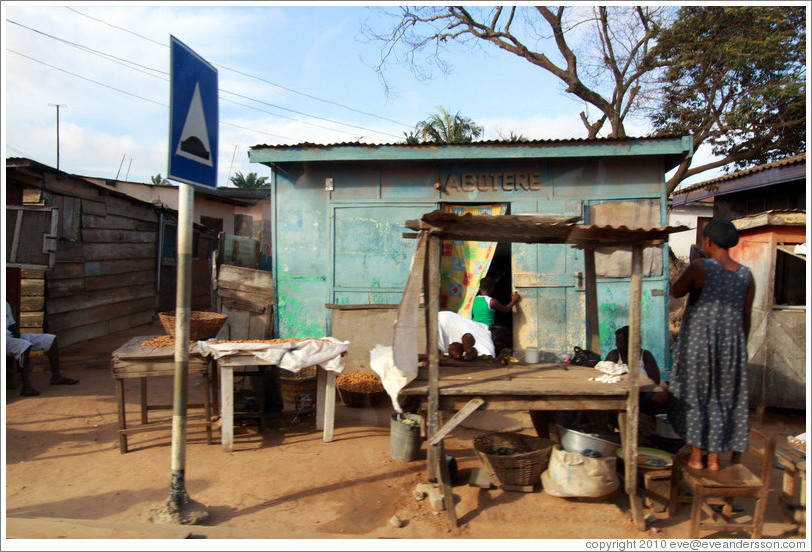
{"x":161,"y":341}
{"x":168,"y":341}
{"x":360,"y":383}
{"x":797,"y":443}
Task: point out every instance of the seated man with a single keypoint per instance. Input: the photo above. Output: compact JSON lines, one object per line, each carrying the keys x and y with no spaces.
{"x":651,"y":402}
{"x":18,"y":347}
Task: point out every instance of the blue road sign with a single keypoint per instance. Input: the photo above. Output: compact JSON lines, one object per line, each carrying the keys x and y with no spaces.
{"x":193,"y":118}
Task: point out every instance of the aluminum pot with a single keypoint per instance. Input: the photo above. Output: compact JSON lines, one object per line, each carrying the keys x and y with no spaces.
{"x":577,"y":441}
{"x":664,"y":428}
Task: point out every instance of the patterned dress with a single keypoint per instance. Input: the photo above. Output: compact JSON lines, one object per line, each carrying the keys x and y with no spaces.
{"x":709,"y":405}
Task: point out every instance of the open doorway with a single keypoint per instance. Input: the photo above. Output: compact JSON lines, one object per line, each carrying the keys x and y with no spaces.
{"x":464,"y":264}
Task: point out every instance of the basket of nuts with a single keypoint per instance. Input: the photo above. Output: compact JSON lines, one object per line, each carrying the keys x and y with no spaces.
{"x":202,"y":324}
{"x":360,"y":390}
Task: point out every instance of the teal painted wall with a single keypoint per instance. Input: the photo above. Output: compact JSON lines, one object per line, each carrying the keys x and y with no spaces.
{"x":345,"y":246}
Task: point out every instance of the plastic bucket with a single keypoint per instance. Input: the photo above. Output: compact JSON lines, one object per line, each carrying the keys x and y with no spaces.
{"x":405,"y":440}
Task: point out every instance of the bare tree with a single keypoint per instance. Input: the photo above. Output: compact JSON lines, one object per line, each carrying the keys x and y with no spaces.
{"x":611,"y":44}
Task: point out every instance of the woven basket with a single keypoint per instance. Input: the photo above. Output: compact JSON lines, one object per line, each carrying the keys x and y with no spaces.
{"x":515,"y":469}
{"x":360,"y":399}
{"x":303,"y":382}
{"x":202,"y":324}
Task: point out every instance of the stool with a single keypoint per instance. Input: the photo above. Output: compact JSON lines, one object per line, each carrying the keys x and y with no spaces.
{"x":656,"y":487}
{"x":793,"y":507}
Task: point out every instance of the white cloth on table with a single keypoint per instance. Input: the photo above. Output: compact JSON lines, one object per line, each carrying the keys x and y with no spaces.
{"x":453,"y":326}
{"x":617,"y":368}
{"x":16,"y":346}
{"x":293,"y":356}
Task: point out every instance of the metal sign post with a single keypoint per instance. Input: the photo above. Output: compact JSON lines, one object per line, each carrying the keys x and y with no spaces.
{"x":192,"y":161}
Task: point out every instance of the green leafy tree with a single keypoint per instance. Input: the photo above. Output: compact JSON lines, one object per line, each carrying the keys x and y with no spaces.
{"x":735,"y":79}
{"x":444,"y":128}
{"x":250,"y":181}
{"x":158,"y":180}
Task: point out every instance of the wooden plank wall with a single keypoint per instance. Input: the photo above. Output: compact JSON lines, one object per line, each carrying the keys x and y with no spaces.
{"x":32,"y":300}
{"x":201,"y":277}
{"x":104,"y":278}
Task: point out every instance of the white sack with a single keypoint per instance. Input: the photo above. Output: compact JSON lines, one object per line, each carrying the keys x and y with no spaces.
{"x":570,"y":474}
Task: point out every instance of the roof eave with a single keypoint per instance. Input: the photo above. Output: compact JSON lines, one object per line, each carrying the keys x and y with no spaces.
{"x":672,"y":150}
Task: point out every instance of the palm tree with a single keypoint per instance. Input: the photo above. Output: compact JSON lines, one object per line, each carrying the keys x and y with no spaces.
{"x":411,"y":138}
{"x":158,"y":180}
{"x":250,"y":181}
{"x":513,"y":136}
{"x":444,"y":128}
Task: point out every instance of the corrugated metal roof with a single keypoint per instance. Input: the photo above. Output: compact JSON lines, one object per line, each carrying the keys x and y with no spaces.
{"x":537,"y":229}
{"x":494,"y":143}
{"x":795,"y":159}
{"x":24,"y":165}
{"x":672,"y":150}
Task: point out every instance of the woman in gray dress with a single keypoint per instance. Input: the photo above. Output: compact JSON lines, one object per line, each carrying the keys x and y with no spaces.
{"x":708,"y":404}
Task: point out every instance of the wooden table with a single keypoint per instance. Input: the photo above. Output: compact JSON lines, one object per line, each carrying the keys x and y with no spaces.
{"x":133,"y":360}
{"x":462,"y":385}
{"x":325,"y":399}
{"x":519,"y":386}
{"x":793,"y":507}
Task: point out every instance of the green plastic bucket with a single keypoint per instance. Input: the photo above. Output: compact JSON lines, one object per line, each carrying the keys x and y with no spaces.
{"x":405,"y":440}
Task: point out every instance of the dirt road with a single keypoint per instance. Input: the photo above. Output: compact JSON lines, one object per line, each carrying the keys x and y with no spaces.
{"x":65,"y":476}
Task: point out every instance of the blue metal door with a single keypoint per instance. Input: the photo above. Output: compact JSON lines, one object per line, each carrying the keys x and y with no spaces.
{"x":371,"y":256}
{"x":549,"y":277}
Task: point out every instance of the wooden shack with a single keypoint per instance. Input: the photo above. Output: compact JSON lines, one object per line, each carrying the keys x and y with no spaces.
{"x":108,"y":268}
{"x":777,"y":342}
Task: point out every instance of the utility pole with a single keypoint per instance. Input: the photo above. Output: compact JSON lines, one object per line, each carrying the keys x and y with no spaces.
{"x":57,"y":106}
{"x":232,"y":164}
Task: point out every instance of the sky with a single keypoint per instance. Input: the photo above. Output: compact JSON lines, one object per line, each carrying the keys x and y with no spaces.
{"x":287,"y":73}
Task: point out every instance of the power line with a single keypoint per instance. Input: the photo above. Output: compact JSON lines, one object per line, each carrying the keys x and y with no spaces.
{"x":115,"y":26}
{"x":87,"y":79}
{"x":293,"y":91}
{"x":90,"y":50}
{"x":129,"y":64}
{"x":125,"y":92}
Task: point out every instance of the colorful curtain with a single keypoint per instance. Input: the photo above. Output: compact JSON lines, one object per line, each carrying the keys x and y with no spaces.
{"x":464,"y":263}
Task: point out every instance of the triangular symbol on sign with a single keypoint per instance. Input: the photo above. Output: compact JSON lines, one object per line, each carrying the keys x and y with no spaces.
{"x":194,"y":140}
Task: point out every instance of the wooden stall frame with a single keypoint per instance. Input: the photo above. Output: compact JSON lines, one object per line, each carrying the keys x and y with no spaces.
{"x":532,"y":229}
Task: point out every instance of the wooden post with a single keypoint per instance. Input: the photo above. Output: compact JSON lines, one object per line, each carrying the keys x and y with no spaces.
{"x":633,"y":401}
{"x":594,"y":336}
{"x":122,"y":416}
{"x":227,"y":407}
{"x":432,"y":297}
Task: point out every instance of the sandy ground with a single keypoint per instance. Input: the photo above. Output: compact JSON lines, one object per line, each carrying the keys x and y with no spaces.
{"x":65,"y":476}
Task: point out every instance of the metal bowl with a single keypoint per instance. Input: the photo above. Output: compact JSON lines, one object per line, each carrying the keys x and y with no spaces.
{"x":664,"y":428}
{"x":577,"y":441}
